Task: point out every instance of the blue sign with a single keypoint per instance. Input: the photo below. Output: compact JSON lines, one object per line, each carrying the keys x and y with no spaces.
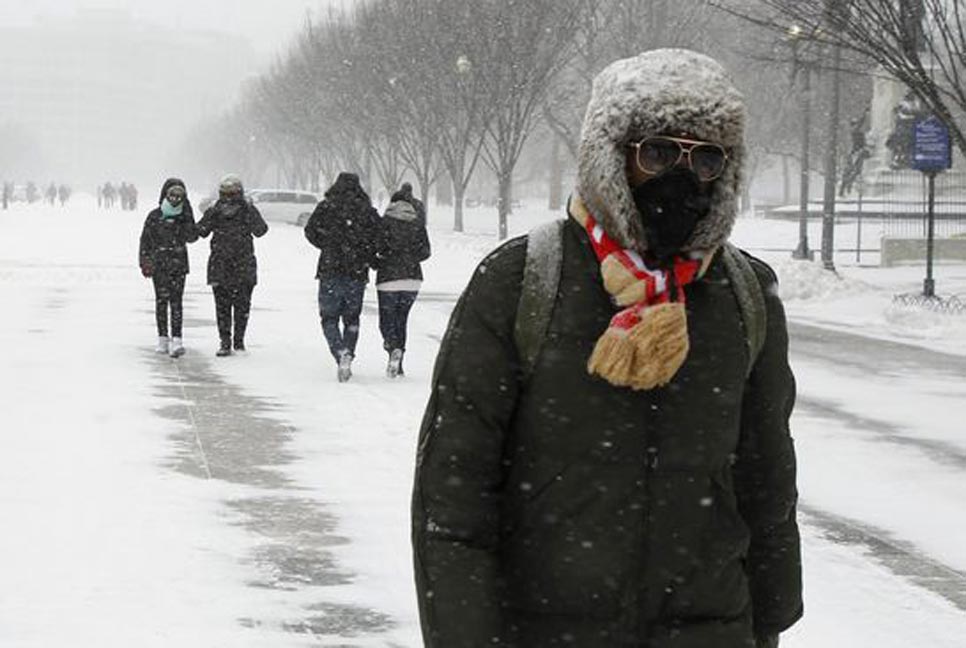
{"x":931,"y":145}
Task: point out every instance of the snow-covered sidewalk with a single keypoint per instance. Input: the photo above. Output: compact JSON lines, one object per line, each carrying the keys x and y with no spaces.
{"x":132,"y":519}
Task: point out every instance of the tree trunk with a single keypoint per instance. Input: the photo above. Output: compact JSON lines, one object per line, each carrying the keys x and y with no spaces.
{"x":425,"y":186}
{"x":786,"y":182}
{"x":556,"y":176}
{"x":459,"y":197}
{"x":503,"y":205}
{"x":444,"y":191}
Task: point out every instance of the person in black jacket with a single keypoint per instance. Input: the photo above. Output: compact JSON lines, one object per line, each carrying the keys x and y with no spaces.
{"x":401,"y":244}
{"x":343,"y":227}
{"x":633,"y":482}
{"x":233,"y":221}
{"x":163,"y":256}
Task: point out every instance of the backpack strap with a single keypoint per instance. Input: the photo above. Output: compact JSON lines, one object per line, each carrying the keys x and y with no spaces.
{"x":541,"y":279}
{"x":751,"y":300}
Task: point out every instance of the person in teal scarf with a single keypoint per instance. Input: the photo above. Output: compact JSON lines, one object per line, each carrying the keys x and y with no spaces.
{"x":163,"y":258}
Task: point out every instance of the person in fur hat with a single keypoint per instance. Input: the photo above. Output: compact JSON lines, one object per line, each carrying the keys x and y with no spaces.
{"x":233,"y":223}
{"x":633,"y":484}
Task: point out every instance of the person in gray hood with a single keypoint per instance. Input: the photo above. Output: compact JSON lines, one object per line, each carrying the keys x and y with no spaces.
{"x":605,"y":459}
{"x":402,"y":244}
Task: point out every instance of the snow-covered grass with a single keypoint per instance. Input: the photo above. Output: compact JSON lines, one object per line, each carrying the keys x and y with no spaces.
{"x":103,"y":546}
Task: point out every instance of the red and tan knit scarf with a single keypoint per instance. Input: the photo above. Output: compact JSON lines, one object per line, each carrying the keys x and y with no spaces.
{"x":647,"y":341}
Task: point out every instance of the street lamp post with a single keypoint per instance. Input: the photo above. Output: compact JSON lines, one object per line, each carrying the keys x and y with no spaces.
{"x":795,"y":36}
{"x":831,"y":169}
{"x":464,"y":67}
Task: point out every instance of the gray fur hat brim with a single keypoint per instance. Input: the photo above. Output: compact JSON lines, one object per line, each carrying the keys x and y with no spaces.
{"x":666,"y":91}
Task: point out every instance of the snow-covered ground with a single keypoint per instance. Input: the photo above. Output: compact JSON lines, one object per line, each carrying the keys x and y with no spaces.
{"x":107,"y":542}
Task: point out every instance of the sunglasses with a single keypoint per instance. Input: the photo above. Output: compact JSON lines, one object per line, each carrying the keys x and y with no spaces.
{"x":660,"y":154}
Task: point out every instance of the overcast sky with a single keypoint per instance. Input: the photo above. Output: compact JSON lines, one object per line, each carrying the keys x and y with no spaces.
{"x":268,"y":24}
{"x":85,"y":97}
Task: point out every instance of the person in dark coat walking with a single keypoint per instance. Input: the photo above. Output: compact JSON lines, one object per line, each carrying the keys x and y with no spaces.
{"x":233,"y":221}
{"x":163,"y":257}
{"x":343,"y":227}
{"x":402,"y":243}
{"x":632,"y":483}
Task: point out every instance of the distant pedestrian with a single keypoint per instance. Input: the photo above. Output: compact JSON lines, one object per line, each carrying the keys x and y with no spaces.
{"x":110,"y":193}
{"x":164,"y":258}
{"x":232,"y":221}
{"x":63,"y":194}
{"x":343,"y":227}
{"x":7,"y":194}
{"x":51,"y":194}
{"x":132,"y":192}
{"x":402,"y":243}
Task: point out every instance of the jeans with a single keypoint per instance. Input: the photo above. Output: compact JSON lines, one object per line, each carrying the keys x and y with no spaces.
{"x":340,"y":301}
{"x":233,"y":302}
{"x":168,"y":292}
{"x":394,"y":307}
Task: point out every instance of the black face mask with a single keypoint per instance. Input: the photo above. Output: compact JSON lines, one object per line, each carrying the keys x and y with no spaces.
{"x":671,"y":206}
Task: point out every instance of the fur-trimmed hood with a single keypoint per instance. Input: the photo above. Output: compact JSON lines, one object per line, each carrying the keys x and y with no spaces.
{"x":664,"y":91}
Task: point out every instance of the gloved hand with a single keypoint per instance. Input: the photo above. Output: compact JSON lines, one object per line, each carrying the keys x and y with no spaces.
{"x":146,"y":269}
{"x":770,"y":641}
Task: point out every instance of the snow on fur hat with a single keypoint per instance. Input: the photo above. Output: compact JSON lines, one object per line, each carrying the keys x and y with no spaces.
{"x":230,"y":184}
{"x":663,"y":91}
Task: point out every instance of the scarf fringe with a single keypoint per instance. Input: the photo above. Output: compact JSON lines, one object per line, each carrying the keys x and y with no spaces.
{"x":649,"y":354}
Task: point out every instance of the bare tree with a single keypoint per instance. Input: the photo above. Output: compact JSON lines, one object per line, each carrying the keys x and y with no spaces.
{"x":529,"y":46}
{"x":459,"y":52}
{"x":921,"y":43}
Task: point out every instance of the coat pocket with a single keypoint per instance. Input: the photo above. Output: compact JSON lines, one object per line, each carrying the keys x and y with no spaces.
{"x":574,"y":542}
{"x":713,"y":585}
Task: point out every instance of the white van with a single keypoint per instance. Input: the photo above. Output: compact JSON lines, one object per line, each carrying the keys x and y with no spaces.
{"x":283,"y":205}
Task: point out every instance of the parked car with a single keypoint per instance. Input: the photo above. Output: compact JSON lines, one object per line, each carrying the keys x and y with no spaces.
{"x":278,"y":205}
{"x":285,"y":206}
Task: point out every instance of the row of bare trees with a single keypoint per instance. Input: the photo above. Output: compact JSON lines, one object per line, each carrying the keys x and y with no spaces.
{"x":437,"y":88}
{"x":428,"y":87}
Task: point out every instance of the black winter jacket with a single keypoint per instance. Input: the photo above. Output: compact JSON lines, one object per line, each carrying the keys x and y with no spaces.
{"x":344,"y":230}
{"x":232,"y":224}
{"x":163,"y":249}
{"x":402,"y":243}
{"x":561,"y":510}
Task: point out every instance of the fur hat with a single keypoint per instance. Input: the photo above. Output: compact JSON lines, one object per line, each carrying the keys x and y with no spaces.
{"x":230,"y":184}
{"x":663,"y":91}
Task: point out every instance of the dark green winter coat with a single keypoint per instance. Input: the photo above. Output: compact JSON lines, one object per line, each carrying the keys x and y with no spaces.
{"x":564,"y":511}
